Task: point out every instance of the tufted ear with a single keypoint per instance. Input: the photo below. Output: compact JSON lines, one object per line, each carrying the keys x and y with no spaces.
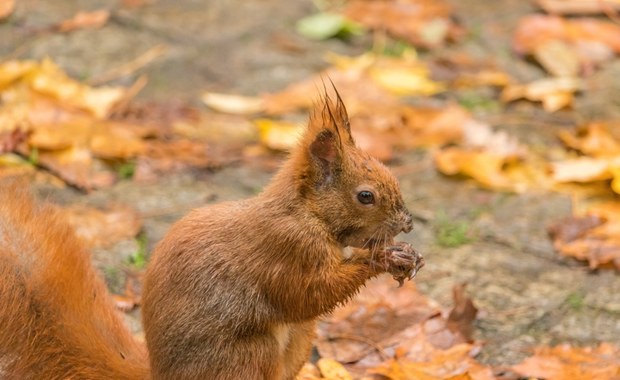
{"x":326,"y":154}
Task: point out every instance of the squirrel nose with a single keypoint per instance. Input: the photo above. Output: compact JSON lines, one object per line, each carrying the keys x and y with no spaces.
{"x":407,"y":221}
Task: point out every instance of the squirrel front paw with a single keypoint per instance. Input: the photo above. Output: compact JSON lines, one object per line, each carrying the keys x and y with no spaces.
{"x":402,"y":261}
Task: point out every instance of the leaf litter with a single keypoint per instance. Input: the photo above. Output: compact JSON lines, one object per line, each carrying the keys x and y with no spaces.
{"x":80,"y":132}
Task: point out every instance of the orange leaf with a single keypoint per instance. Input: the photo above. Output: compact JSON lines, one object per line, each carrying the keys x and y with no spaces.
{"x":567,"y":362}
{"x":101,"y":228}
{"x":421,"y":22}
{"x":83,"y":20}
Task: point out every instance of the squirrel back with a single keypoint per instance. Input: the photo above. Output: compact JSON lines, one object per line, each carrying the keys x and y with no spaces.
{"x":57,"y":320}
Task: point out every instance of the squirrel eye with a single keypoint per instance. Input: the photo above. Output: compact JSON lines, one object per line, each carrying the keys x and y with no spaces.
{"x":366,"y":197}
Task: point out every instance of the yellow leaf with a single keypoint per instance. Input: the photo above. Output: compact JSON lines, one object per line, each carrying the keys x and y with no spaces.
{"x":615,"y":175}
{"x":278,"y":135}
{"x":594,"y":139}
{"x":308,"y":372}
{"x":484,"y":167}
{"x":332,"y":370}
{"x":235,"y":104}
{"x":11,"y":71}
{"x":405,"y":81}
{"x":50,"y":80}
{"x":346,"y":63}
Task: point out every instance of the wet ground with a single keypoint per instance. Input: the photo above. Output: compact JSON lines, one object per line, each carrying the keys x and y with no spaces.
{"x":526,"y":293}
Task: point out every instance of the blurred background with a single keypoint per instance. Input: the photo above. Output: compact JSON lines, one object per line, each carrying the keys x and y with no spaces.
{"x":500,"y":118}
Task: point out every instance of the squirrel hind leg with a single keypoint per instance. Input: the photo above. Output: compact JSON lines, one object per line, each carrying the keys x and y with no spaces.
{"x":254,"y":357}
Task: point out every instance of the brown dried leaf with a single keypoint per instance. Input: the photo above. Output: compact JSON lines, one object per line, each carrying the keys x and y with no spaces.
{"x":178,"y":154}
{"x":84,"y":20}
{"x":76,"y":166}
{"x":10,"y":140}
{"x":567,"y":362}
{"x":364,"y":328}
{"x":594,"y":237}
{"x":462,"y":314}
{"x":102,"y":228}
{"x":424,"y":23}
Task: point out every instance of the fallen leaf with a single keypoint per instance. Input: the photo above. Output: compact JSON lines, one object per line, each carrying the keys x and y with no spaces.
{"x":48,"y":79}
{"x":424,"y":23}
{"x":278,"y":135}
{"x":554,"y":93}
{"x":76,"y":166}
{"x":404,"y":77}
{"x":581,"y":37}
{"x":454,"y":363}
{"x":578,"y":7}
{"x":103,"y":228}
{"x":365,"y":329}
{"x":558,"y":58}
{"x":350,"y":75}
{"x":596,"y":139}
{"x":84,"y":20}
{"x":582,"y":169}
{"x":332,"y":370}
{"x":462,"y":314}
{"x":488,"y":169}
{"x":6,"y":8}
{"x":13,"y":70}
{"x":10,"y":140}
{"x":174,"y":155}
{"x":593,"y":237}
{"x":308,"y":372}
{"x":235,"y":104}
{"x":567,"y":362}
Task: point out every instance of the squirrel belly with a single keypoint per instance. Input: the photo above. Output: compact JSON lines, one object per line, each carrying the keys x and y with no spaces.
{"x":234,"y":289}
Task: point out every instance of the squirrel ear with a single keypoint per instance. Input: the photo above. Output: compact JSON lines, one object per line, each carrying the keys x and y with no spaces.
{"x":324,"y":151}
{"x":329,"y":135}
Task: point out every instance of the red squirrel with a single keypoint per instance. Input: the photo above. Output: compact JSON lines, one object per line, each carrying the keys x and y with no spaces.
{"x":234,"y":289}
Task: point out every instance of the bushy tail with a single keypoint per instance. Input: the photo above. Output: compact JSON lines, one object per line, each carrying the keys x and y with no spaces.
{"x":56,"y":317}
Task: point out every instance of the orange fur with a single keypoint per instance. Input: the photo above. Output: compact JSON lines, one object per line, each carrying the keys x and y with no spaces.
{"x":232,"y":292}
{"x":57,"y":320}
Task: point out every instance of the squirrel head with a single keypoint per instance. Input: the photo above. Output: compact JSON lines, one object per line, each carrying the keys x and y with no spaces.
{"x":355,"y":195}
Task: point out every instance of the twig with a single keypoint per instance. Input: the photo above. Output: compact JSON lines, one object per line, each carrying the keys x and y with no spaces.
{"x":130,"y":67}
